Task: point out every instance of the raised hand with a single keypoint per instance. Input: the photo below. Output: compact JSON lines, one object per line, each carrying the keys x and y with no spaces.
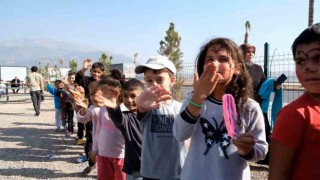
{"x":244,"y":143}
{"x":205,"y":84}
{"x":107,"y":98}
{"x":81,"y":102}
{"x":87,"y":64}
{"x":152,"y":98}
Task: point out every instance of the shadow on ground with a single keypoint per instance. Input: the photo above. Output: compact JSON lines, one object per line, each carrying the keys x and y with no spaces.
{"x":39,"y":173}
{"x":36,"y":145}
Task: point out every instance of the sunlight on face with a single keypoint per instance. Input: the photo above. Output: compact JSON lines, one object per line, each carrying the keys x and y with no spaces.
{"x":71,"y":79}
{"x":307,"y":59}
{"x":221,"y":58}
{"x":96,"y":73}
{"x":162,"y":79}
{"x":129,"y":99}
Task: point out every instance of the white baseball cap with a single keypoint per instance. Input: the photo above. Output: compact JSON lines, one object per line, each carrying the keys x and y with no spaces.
{"x":156,"y":63}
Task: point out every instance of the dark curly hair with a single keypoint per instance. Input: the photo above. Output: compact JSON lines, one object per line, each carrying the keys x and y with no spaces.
{"x":114,"y":81}
{"x":240,"y":86}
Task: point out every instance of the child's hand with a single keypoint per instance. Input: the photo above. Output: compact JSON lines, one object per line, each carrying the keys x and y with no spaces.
{"x":46,"y":81}
{"x":65,"y":82}
{"x":108,"y":98}
{"x":244,"y":143}
{"x":205,"y":84}
{"x":92,"y":156}
{"x":81,"y":102}
{"x":87,"y":64}
{"x":152,"y":97}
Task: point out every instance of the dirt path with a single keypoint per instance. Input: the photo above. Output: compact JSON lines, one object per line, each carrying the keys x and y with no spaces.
{"x":27,"y":140}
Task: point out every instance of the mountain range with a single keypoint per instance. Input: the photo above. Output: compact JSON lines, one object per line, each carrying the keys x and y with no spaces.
{"x":29,"y":52}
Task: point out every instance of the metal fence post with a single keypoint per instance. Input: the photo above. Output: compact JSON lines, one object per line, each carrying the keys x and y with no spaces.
{"x":266,"y":60}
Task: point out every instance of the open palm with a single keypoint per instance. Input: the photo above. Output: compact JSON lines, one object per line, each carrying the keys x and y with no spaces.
{"x":152,"y":97}
{"x":87,"y":63}
{"x":205,"y":84}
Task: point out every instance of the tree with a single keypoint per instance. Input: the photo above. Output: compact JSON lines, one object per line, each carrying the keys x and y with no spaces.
{"x":248,"y":27}
{"x":73,"y":65}
{"x":106,"y":61}
{"x":44,"y":71}
{"x":311,"y":9}
{"x":170,"y":48}
{"x":57,"y":72}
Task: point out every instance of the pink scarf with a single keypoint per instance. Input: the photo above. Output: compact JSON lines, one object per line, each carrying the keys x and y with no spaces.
{"x":230,"y":115}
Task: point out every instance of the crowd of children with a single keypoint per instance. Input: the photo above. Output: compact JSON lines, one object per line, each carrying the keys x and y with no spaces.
{"x":138,"y":131}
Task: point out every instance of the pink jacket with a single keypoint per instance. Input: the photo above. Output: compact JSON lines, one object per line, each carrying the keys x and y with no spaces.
{"x":107,"y":138}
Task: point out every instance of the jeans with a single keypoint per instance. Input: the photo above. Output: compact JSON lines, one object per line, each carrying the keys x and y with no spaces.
{"x":80,"y":130}
{"x":70,"y":116}
{"x":35,"y":97}
{"x":58,"y":118}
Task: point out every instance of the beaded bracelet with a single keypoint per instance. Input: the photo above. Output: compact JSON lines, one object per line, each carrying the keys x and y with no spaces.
{"x":195,"y":104}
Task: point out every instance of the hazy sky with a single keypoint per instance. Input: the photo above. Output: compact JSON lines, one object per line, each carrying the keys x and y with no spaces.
{"x":134,"y":26}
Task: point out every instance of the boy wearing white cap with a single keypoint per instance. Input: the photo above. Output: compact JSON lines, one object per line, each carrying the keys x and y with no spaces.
{"x":162,"y":155}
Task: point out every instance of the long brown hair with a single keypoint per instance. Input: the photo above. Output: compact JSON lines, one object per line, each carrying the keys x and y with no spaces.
{"x":240,"y":87}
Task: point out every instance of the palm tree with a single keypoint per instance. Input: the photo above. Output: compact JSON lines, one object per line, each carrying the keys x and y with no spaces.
{"x":248,"y":27}
{"x":73,"y":64}
{"x":311,"y":8}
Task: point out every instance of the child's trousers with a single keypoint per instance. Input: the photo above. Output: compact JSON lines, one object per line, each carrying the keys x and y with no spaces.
{"x":58,"y":118}
{"x":110,"y":168}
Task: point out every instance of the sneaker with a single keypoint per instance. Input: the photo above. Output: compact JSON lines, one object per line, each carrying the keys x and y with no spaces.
{"x":87,"y":170}
{"x":58,"y":129}
{"x":82,"y":159}
{"x":80,"y":142}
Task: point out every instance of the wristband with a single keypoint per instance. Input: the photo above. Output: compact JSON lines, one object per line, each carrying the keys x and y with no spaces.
{"x":195,"y":104}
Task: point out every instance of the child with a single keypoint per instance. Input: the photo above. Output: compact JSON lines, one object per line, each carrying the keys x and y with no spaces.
{"x":66,"y":106}
{"x":2,"y":89}
{"x":161,"y":152}
{"x":108,"y":142}
{"x":212,"y":153}
{"x":56,"y":92}
{"x":295,"y":140}
{"x":129,"y":126}
{"x":96,"y":71}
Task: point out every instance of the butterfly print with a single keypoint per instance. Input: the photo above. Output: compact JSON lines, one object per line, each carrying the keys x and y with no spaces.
{"x":215,"y":135}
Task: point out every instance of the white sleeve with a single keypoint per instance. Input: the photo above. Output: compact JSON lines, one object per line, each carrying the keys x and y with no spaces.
{"x":86,"y":118}
{"x":184,"y":124}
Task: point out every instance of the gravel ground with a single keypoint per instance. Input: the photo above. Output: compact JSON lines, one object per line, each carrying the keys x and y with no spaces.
{"x":26,"y":141}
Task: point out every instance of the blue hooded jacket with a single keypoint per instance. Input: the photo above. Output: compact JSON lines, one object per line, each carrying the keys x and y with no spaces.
{"x":265,"y":91}
{"x":54,"y":92}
